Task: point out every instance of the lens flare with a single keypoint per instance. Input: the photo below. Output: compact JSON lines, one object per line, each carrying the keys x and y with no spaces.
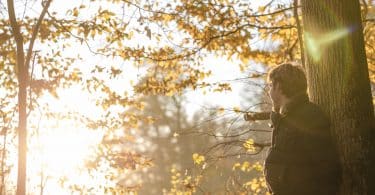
{"x":315,"y":44}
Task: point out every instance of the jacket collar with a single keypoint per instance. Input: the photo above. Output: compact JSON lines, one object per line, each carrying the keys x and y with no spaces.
{"x":295,"y":102}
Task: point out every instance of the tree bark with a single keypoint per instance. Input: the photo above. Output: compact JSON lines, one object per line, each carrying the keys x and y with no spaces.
{"x":338,"y":79}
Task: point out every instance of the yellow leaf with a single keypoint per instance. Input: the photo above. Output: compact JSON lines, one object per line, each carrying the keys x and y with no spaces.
{"x":249,"y":145}
{"x":237,"y":109}
{"x":75,"y":12}
{"x":261,"y":8}
{"x":198,"y":159}
{"x":220,"y":110}
{"x":236,"y":165}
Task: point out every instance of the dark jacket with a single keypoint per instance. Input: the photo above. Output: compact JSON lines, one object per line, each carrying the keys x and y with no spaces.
{"x":302,"y":158}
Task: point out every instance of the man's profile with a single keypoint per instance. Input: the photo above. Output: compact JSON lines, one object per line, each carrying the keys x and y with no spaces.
{"x":302,"y":158}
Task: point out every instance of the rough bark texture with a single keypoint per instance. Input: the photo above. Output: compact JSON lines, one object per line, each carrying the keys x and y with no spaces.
{"x":339,"y":82}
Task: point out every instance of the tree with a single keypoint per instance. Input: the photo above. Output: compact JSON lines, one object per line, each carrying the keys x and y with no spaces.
{"x":338,"y":77}
{"x":23,"y":63}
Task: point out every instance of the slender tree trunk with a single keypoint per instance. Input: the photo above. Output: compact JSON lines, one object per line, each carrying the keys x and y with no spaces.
{"x":338,"y":80}
{"x":22,"y":65}
{"x":22,"y":94}
{"x":3,"y":152}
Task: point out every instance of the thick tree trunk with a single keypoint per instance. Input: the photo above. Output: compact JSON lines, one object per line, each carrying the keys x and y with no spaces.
{"x":338,"y":80}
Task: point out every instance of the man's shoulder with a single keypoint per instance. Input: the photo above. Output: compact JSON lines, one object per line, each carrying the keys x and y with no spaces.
{"x":312,"y":108}
{"x":311,"y":114}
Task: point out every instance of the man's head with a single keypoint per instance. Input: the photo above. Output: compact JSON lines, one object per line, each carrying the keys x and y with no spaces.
{"x":286,"y":81}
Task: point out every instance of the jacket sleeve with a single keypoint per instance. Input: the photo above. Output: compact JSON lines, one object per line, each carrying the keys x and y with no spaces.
{"x":275,"y":118}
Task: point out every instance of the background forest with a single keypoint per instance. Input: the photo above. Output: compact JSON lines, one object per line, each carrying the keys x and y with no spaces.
{"x":145,"y":96}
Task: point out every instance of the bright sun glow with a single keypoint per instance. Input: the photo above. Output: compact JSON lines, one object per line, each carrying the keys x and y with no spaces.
{"x":59,"y":147}
{"x":63,"y":149}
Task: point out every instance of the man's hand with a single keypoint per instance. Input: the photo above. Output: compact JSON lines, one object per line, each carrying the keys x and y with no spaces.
{"x":276,"y":108}
{"x":248,"y":116}
{"x":256,"y":116}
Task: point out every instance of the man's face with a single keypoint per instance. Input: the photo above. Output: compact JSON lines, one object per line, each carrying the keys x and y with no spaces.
{"x":275,"y":94}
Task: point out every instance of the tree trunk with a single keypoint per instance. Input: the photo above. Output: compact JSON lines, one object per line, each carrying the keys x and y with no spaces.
{"x":338,"y":80}
{"x":22,"y":65}
{"x":22,"y":94}
{"x":3,"y":154}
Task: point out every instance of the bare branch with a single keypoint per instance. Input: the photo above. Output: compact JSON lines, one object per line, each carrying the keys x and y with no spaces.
{"x":149,"y":10}
{"x":236,"y":142}
{"x":272,"y":13}
{"x":299,"y":30}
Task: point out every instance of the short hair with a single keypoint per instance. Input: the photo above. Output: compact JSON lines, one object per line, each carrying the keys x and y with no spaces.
{"x":290,"y":78}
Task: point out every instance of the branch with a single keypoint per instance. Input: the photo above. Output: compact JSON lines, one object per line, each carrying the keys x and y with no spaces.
{"x":3,"y":157}
{"x":237,"y":143}
{"x":365,"y":10}
{"x":73,"y":35}
{"x":30,"y":89}
{"x":16,"y":33}
{"x":299,"y":30}
{"x":272,"y":13}
{"x":35,"y":33}
{"x":224,"y":34}
{"x":149,"y":10}
{"x":368,"y":20}
{"x":289,"y":50}
{"x":232,"y":135}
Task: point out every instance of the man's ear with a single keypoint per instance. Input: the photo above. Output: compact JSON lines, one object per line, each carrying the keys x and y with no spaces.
{"x":278,"y":88}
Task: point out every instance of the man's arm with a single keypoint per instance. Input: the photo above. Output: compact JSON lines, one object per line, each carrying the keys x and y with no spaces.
{"x":254,"y":116}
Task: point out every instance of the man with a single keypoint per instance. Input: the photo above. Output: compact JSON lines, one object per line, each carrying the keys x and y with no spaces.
{"x":302,"y":159}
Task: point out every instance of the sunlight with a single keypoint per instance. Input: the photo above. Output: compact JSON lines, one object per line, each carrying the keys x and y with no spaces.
{"x":63,"y":149}
{"x":60,"y":146}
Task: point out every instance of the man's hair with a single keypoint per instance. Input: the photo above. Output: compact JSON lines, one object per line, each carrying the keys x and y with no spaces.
{"x":290,"y":78}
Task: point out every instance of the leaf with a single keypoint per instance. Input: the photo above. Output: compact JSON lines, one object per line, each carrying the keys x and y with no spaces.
{"x":198,"y":159}
{"x":220,"y":110}
{"x":148,"y":32}
{"x":237,"y":109}
{"x":249,"y":145}
{"x":75,"y":12}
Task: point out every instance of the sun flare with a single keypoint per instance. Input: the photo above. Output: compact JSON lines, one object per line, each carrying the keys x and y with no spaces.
{"x":63,"y":149}
{"x":60,"y":146}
